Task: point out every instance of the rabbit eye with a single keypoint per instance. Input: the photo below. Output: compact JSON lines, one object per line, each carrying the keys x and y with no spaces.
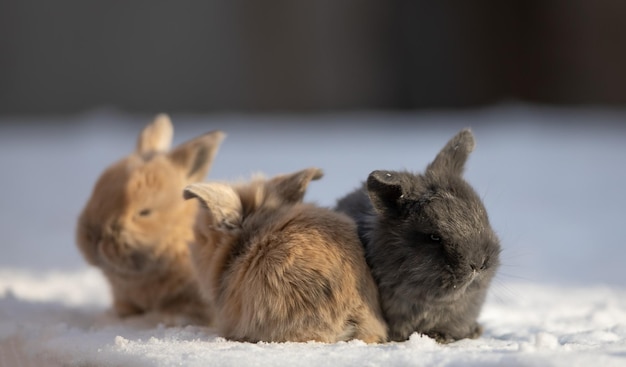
{"x":419,"y":239}
{"x":145,"y":212}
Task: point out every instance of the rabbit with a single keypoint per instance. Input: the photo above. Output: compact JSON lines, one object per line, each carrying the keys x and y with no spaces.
{"x":277,"y":269}
{"x":429,"y":245}
{"x":136,"y":226}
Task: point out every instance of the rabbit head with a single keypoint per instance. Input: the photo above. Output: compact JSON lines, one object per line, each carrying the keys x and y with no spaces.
{"x":225,"y":207}
{"x":135,"y":226}
{"x":277,"y":269}
{"x":430,"y":246}
{"x":439,"y":222}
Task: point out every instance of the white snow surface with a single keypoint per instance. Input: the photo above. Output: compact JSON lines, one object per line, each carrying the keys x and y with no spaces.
{"x":552,"y":180}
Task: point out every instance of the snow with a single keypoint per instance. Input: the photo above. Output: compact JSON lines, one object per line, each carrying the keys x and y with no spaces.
{"x":552,"y":180}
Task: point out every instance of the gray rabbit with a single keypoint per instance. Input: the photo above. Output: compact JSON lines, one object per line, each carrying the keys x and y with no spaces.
{"x":429,"y":245}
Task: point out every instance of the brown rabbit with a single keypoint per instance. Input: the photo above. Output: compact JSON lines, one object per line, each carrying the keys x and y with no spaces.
{"x":279,"y":270}
{"x":136,"y":226}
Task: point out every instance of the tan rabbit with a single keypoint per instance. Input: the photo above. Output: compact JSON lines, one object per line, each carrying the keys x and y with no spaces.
{"x":136,"y":226}
{"x":279,"y":270}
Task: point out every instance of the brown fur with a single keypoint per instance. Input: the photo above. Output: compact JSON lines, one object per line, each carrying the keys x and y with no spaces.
{"x":279,"y":270}
{"x":136,"y":226}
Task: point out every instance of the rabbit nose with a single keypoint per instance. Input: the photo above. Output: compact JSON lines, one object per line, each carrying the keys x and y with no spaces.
{"x":115,"y":227}
{"x":473,"y":267}
{"x":477,"y":267}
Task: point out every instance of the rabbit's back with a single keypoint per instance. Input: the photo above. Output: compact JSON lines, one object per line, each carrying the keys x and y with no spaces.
{"x":302,"y":277}
{"x":358,"y":206}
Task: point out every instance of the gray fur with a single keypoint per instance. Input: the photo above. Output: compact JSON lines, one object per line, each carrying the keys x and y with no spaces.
{"x":429,"y":245}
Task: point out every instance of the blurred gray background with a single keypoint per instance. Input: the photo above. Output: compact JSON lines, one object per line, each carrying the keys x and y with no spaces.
{"x":66,"y":56}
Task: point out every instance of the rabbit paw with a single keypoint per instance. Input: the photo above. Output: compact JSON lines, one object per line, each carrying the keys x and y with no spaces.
{"x":475,"y":331}
{"x":441,"y":338}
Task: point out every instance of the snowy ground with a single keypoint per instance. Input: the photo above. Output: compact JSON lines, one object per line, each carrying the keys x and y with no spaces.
{"x":552,"y":181}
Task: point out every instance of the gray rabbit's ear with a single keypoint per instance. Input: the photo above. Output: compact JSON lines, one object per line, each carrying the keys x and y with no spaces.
{"x":451,"y":159}
{"x":156,"y":136}
{"x":384,"y":190}
{"x":196,"y":156}
{"x":292,"y":187}
{"x":220,"y":200}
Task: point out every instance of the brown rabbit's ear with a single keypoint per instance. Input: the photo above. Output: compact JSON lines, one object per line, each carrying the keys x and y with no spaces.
{"x":292,"y":187}
{"x":451,"y":159}
{"x":384,"y":191}
{"x":156,"y":136}
{"x":196,"y":156}
{"x":220,"y":200}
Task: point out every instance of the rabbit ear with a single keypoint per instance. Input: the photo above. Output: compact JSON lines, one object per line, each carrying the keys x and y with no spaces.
{"x":220,"y":200}
{"x":451,"y":159}
{"x":384,"y":190}
{"x":292,"y":187}
{"x":156,"y":136}
{"x":196,"y":155}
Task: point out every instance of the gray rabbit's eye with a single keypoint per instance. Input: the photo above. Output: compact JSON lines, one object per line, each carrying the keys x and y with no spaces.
{"x":145,"y":212}
{"x":419,"y":238}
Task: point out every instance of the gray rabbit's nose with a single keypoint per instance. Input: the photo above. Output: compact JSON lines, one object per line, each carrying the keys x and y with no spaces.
{"x":481,"y":265}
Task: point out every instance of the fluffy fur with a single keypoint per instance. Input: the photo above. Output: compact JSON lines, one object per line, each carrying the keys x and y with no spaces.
{"x":429,"y":245}
{"x":136,"y":226}
{"x":279,"y":270}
